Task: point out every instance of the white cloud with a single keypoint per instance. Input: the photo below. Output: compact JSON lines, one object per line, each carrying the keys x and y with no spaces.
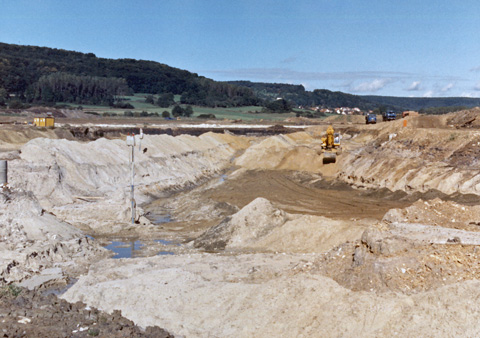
{"x":308,"y":86}
{"x":447,"y":87}
{"x":371,"y":86}
{"x":467,"y":94}
{"x":349,"y":81}
{"x":289,"y":74}
{"x":415,"y":86}
{"x":477,"y":87}
{"x":429,"y":93}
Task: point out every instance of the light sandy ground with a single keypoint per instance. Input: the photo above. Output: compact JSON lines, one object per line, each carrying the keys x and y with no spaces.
{"x":263,"y":295}
{"x":273,"y":250}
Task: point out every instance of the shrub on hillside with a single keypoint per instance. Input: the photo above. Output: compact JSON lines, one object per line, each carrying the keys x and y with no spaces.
{"x":206,"y":116}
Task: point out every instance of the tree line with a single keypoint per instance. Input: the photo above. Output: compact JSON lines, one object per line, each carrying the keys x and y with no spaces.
{"x":25,"y":74}
{"x":22,"y":67}
{"x":64,"y":87}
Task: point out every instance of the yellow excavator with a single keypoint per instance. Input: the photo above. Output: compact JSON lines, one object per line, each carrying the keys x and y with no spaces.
{"x":331,"y":146}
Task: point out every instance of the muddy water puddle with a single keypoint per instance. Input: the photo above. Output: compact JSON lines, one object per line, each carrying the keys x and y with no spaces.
{"x":124,"y":248}
{"x":159,"y":218}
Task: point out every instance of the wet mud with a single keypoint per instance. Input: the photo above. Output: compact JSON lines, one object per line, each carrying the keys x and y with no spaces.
{"x":25,"y":313}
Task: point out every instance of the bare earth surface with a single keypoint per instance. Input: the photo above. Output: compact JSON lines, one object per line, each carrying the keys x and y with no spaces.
{"x":241,"y":236}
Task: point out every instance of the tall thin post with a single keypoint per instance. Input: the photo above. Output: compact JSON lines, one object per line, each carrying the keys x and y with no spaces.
{"x":3,"y":172}
{"x":132,"y":184}
{"x":131,"y":145}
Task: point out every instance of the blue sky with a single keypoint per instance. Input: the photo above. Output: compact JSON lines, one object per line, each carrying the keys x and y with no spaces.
{"x":399,"y":48}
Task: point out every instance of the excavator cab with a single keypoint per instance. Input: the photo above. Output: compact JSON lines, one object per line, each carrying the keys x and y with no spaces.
{"x":336,"y":139}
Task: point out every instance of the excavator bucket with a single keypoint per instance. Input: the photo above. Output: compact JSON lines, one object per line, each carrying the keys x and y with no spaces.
{"x":329,"y":157}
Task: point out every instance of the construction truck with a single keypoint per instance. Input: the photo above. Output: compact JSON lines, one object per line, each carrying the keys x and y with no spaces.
{"x":331,"y":146}
{"x":371,"y":118}
{"x":389,"y":115}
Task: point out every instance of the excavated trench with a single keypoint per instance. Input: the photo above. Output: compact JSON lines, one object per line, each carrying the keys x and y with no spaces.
{"x":298,"y":192}
{"x":292,"y":191}
{"x":253,"y":233}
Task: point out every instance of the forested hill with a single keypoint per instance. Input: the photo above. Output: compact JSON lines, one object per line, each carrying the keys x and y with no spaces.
{"x":326,"y":98}
{"x":419,"y":103}
{"x":41,"y":75}
{"x":301,"y":97}
{"x":24,"y":68}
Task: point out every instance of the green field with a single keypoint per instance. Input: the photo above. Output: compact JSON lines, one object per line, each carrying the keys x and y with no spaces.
{"x":248,"y":113}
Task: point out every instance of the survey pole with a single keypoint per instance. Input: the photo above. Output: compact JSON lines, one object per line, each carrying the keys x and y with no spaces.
{"x":131,"y":145}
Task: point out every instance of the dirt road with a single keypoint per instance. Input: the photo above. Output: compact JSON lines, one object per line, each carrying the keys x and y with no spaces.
{"x":302,"y":193}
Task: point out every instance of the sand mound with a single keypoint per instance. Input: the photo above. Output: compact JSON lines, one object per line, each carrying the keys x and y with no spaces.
{"x":32,"y":239}
{"x":309,"y":234}
{"x":260,"y":226}
{"x":80,"y":182}
{"x":426,"y":121}
{"x":465,"y":118}
{"x":245,"y":227}
{"x":298,"y":151}
{"x":14,"y":136}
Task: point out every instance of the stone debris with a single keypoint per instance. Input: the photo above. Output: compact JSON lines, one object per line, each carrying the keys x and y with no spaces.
{"x":33,"y":241}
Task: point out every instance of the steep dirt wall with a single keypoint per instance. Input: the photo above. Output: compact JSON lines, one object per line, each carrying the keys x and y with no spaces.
{"x":416,"y":159}
{"x":85,"y":181}
{"x":386,"y":155}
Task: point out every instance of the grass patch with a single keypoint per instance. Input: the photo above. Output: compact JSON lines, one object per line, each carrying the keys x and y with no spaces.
{"x":94,"y":332}
{"x":452,"y":137}
{"x":10,"y":290}
{"x":248,"y":113}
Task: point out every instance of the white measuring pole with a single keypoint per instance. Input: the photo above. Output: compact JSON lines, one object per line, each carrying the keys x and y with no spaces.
{"x":131,"y":145}
{"x":3,"y":173}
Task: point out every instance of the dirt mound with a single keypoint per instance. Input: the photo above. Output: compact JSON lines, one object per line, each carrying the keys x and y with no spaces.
{"x":384,"y":262}
{"x":260,"y":226}
{"x":310,"y":234}
{"x":33,"y":240}
{"x":465,"y":118}
{"x":14,"y":136}
{"x":422,"y":247}
{"x":42,"y":111}
{"x":254,"y":221}
{"x":297,"y":151}
{"x":426,"y":121}
{"x":437,"y":212}
{"x":414,"y":159}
